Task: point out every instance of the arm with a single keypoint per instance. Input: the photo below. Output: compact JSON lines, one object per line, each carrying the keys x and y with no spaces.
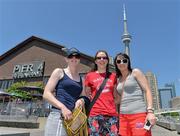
{"x":49,"y":93}
{"x":86,"y":88}
{"x":145,"y":86}
{"x":84,"y":97}
{"x":117,"y":97}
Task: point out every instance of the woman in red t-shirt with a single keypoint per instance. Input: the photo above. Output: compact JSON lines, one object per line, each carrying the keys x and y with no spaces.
{"x":103,"y":117}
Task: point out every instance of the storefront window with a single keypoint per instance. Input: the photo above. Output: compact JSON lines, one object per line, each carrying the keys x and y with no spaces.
{"x":4,"y":84}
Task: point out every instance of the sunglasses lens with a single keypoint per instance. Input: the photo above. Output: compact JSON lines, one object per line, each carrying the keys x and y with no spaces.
{"x":124,"y":61}
{"x":121,"y":61}
{"x":99,"y":58}
{"x":118,"y":61}
{"x":76,"y":56}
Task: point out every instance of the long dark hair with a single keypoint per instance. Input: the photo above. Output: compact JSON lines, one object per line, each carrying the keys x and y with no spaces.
{"x":118,"y":72}
{"x":95,"y":65}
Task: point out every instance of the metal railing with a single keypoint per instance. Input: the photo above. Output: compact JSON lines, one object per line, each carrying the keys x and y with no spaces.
{"x":167,"y":110}
{"x":24,"y":111}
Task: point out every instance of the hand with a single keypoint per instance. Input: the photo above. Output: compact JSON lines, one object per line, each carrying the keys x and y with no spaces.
{"x":66,"y":113}
{"x":79,"y":103}
{"x":151,"y":117}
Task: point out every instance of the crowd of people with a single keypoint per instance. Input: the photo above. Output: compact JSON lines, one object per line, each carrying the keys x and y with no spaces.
{"x":115,"y":100}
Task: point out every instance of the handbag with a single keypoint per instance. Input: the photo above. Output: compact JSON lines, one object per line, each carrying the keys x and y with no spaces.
{"x":78,"y":124}
{"x":97,"y":94}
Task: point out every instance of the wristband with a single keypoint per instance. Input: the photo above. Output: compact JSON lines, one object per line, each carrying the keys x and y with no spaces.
{"x":150,"y":110}
{"x":86,"y":100}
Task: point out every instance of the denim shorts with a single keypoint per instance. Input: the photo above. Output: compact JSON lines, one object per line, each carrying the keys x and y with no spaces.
{"x":54,"y":125}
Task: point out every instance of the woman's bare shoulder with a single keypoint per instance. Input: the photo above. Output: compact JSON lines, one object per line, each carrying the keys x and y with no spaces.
{"x":137,"y":72}
{"x":58,"y":73}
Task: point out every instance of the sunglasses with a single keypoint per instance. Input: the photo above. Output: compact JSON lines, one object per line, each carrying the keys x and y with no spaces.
{"x":123,"y":61}
{"x":102,"y":58}
{"x":76,"y":56}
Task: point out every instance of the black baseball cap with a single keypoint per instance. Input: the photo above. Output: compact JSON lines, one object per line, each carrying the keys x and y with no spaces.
{"x":73,"y":51}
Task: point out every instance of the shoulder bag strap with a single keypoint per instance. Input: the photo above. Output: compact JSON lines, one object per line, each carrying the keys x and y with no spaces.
{"x":97,"y":94}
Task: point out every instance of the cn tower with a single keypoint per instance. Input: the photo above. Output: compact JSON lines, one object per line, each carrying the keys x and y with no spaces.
{"x":126,"y":37}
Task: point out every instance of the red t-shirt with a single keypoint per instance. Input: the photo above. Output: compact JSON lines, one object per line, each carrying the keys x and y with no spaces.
{"x":105,"y":104}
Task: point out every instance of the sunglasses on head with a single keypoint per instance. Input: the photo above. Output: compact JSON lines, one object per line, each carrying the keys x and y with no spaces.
{"x":104,"y":58}
{"x":76,"y":56}
{"x":123,"y":61}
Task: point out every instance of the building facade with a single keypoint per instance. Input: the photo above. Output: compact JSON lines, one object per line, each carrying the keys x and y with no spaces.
{"x":166,"y":94}
{"x":154,"y":88}
{"x":34,"y":60}
{"x":172,"y":86}
{"x":175,"y":102}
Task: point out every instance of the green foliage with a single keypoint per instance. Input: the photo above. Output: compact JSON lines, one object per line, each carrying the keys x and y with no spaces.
{"x":172,"y":114}
{"x":16,"y":91}
{"x":37,"y":84}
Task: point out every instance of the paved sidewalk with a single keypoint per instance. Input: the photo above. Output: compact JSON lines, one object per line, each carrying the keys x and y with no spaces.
{"x":160,"y":131}
{"x":7,"y":131}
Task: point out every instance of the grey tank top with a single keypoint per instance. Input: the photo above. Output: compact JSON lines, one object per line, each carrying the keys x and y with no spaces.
{"x":132,"y":100}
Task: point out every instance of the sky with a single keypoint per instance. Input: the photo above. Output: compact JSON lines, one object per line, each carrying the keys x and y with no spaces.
{"x":90,"y":25}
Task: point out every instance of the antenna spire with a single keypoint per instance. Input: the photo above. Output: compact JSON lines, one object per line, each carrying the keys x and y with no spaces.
{"x":126,"y":37}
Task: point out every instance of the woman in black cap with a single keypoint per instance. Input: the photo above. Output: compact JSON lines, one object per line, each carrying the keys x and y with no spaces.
{"x":67,"y":85}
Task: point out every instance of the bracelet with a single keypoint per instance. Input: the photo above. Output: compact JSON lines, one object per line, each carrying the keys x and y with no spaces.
{"x":150,"y":110}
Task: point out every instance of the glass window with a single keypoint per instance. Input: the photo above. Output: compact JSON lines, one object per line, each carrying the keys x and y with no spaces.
{"x":4,"y":84}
